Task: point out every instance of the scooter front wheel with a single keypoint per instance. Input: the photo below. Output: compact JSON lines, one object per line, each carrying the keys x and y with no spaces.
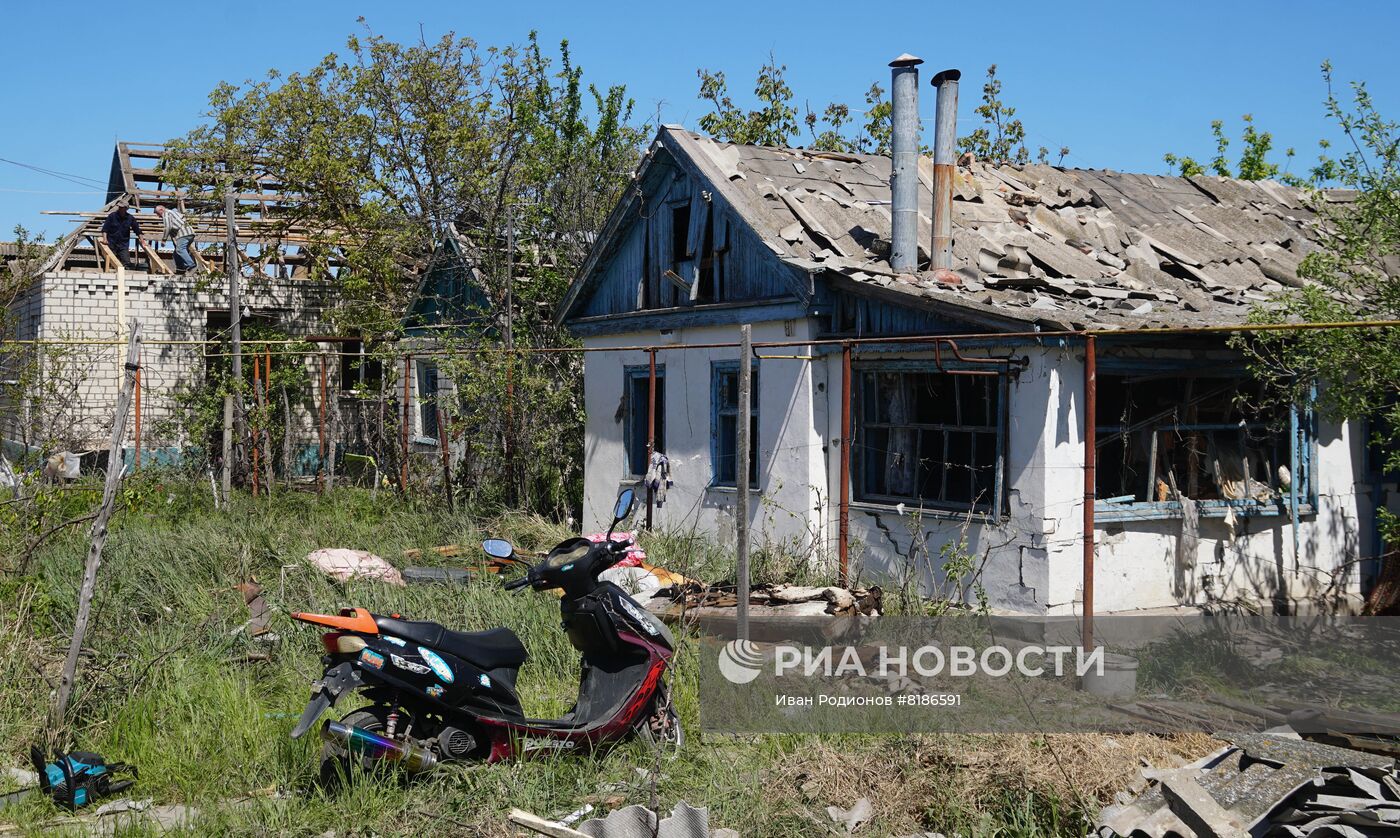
{"x":662,"y":727}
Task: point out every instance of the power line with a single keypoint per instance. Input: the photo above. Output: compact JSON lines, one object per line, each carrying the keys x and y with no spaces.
{"x":80,"y":180}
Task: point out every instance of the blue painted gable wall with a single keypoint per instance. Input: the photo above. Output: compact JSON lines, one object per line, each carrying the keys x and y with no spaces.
{"x":752,"y":271}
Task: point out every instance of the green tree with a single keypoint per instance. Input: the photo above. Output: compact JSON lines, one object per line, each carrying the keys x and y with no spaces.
{"x":840,"y":127}
{"x":1352,"y":276}
{"x":1253,"y":163}
{"x":1001,"y":138}
{"x":773,"y":123}
{"x":388,"y":147}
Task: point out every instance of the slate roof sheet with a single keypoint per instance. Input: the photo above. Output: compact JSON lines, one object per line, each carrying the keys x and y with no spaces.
{"x":1067,"y":248}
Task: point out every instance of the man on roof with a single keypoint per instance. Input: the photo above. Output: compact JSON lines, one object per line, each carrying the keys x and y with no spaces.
{"x":180,"y":234}
{"x":119,"y":228}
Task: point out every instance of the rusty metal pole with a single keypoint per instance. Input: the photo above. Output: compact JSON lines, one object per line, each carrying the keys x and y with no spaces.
{"x":1091,"y":398}
{"x":253,"y":426}
{"x":945,"y":138}
{"x":321,"y":472}
{"x":651,"y":428}
{"x":268,"y":459}
{"x":403,"y":464}
{"x":843,"y":535}
{"x":138,"y":418}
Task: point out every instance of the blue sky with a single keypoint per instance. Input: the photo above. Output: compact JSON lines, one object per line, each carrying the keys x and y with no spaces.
{"x":1118,"y":82}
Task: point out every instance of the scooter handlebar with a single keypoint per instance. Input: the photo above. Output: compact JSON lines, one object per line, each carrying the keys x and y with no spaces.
{"x":518,"y":583}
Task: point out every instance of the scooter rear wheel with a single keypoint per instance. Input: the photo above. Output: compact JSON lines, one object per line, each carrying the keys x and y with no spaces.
{"x":338,"y":764}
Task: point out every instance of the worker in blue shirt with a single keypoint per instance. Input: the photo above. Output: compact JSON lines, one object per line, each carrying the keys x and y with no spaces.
{"x":119,"y":229}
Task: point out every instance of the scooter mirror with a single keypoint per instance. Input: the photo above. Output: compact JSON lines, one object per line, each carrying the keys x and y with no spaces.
{"x":498,"y":548}
{"x":623,"y":508}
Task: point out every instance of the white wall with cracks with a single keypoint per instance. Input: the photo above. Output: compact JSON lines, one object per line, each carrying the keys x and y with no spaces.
{"x":787,"y":507}
{"x":1028,"y":561}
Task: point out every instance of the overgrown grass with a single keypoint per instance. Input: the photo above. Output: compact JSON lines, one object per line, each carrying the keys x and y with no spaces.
{"x":171,"y":685}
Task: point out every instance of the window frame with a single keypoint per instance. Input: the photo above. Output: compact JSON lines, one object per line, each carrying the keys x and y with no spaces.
{"x":718,"y":371}
{"x":995,"y":508}
{"x":630,"y":374}
{"x":426,"y":402}
{"x":1302,"y":455}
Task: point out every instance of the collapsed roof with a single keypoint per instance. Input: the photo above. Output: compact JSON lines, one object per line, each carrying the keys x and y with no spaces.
{"x":269,"y":236}
{"x":1058,"y":248}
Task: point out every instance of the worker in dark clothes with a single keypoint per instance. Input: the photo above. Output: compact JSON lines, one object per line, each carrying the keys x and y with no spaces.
{"x":118,"y":229}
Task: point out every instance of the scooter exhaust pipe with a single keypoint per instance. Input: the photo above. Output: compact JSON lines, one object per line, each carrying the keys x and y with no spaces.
{"x":368,"y":744}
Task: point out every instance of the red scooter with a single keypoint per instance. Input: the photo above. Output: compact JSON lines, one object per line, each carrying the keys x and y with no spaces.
{"x":439,"y":694}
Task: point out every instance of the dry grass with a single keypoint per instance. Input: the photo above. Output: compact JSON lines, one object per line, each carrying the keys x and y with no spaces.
{"x":924,"y":782}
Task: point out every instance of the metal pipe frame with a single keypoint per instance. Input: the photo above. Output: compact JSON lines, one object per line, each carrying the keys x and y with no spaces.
{"x":1091,"y":398}
{"x":844,"y":525}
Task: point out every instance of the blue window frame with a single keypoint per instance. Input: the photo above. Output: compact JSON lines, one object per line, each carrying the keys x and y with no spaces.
{"x":1208,"y":436}
{"x":724,"y":424}
{"x":637,"y":381}
{"x":929,"y":437}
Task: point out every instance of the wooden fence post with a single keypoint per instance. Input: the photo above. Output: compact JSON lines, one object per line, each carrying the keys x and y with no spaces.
{"x":115,"y":468}
{"x":228,"y":447}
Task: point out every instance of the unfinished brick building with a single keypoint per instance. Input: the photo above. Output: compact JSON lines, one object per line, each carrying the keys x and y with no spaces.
{"x":61,"y":394}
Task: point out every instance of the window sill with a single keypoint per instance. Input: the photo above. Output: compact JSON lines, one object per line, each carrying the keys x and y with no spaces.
{"x":1166,"y":510}
{"x":730,"y":490}
{"x":425,"y":440}
{"x":926,"y":512}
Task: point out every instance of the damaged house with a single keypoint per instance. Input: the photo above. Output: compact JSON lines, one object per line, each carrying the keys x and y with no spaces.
{"x":80,"y":301}
{"x":1202,"y":492}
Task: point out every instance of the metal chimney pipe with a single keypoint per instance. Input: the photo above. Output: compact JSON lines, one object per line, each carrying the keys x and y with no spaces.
{"x":904,"y":163}
{"x":945,"y":138}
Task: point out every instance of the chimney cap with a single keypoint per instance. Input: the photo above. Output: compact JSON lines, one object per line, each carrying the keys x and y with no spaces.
{"x":906,"y":60}
{"x":946,"y":75}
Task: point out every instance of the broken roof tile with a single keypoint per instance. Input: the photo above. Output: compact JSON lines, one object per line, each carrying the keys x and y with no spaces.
{"x":1097,"y":234}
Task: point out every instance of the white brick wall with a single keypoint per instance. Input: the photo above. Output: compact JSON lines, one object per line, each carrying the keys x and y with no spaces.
{"x":83,"y":305}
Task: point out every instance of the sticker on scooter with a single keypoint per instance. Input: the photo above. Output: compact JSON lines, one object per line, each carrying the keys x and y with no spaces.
{"x":371,"y":658}
{"x":647,"y":625}
{"x":533,"y":744}
{"x":435,"y":690}
{"x":395,"y":640}
{"x":403,"y":663}
{"x":484,"y":680}
{"x":440,"y":667}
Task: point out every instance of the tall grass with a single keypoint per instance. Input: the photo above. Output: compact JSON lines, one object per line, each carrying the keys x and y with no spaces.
{"x":173,"y":686}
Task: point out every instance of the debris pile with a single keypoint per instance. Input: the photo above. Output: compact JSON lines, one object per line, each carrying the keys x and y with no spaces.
{"x":685,"y":821}
{"x":344,"y":564}
{"x":1265,"y":784}
{"x":811,"y":600}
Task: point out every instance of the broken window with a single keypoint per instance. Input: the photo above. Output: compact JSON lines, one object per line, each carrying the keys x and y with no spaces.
{"x":359,"y":371}
{"x":724,"y":423}
{"x":928,"y":438}
{"x":638,"y":400}
{"x":1162,"y":436}
{"x":680,"y":229}
{"x":711,"y":279}
{"x":684,"y":256}
{"x":427,"y":400}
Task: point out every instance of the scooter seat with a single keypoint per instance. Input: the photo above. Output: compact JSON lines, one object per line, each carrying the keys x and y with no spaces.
{"x":497,"y":648}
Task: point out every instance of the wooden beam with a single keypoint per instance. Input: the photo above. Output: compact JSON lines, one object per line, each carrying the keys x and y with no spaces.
{"x":109,"y":259}
{"x":156,"y":262}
